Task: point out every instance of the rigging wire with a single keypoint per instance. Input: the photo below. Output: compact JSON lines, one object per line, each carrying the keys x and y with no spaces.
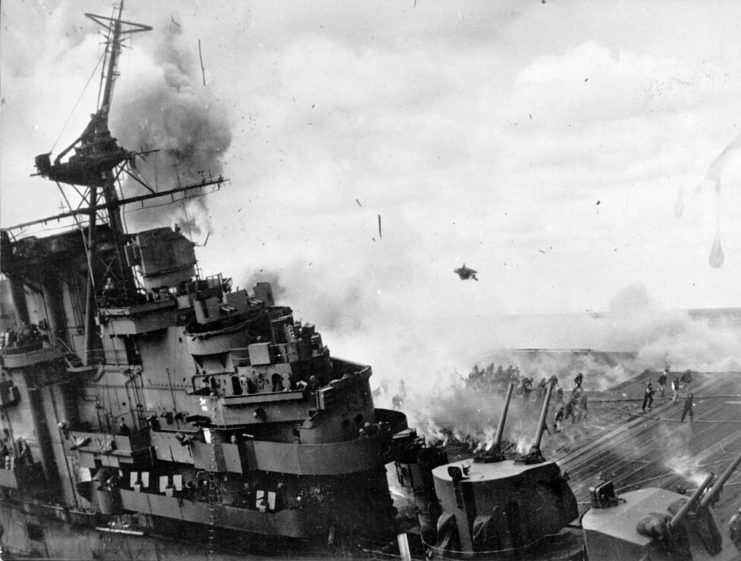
{"x":100,"y":59}
{"x":82,"y":233}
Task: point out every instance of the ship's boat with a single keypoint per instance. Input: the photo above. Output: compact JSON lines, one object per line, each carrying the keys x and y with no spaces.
{"x":140,"y":397}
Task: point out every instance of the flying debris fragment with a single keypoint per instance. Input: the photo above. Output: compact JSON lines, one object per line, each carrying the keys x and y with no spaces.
{"x":466,"y":273}
{"x":358,"y":201}
{"x":200,"y":58}
{"x":380,"y":234}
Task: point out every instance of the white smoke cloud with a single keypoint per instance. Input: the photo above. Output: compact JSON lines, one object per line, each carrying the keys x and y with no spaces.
{"x":669,"y":337}
{"x":673,"y":442}
{"x":644,"y":333}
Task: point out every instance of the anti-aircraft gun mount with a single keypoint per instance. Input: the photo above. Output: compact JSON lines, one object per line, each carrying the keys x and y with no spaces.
{"x":658,"y":524}
{"x":490,"y":507}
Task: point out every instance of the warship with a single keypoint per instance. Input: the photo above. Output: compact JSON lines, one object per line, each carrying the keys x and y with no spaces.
{"x":149,"y":411}
{"x":141,"y":398}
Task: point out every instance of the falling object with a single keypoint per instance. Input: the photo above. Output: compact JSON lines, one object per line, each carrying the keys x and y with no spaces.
{"x":357,"y":201}
{"x":380,"y":234}
{"x":200,"y":58}
{"x":717,"y":257}
{"x":466,"y":273}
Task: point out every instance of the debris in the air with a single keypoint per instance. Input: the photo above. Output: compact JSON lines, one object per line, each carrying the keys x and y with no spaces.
{"x":200,"y":57}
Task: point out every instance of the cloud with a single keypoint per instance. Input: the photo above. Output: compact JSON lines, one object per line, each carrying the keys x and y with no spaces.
{"x":425,"y":115}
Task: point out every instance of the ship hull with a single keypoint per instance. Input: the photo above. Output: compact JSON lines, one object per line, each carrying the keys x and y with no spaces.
{"x":31,"y":531}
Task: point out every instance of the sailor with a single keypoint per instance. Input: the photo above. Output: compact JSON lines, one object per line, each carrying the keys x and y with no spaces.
{"x":277,"y":381}
{"x":569,"y":410}
{"x":648,"y":397}
{"x":686,"y":378}
{"x":688,"y":408}
{"x":583,"y":408}
{"x":385,"y":385}
{"x":662,"y":382}
{"x":123,"y":428}
{"x":110,"y":292}
{"x":558,"y":420}
{"x":24,"y":453}
{"x":396,"y":402}
{"x":734,"y":530}
{"x":542,"y":388}
{"x":527,"y":387}
{"x":675,"y":389}
{"x":370,"y":429}
{"x":579,"y":379}
{"x":313,"y":383}
{"x":402,"y":389}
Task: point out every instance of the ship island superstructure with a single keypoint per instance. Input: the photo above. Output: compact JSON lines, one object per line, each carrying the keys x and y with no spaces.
{"x":138,"y":395}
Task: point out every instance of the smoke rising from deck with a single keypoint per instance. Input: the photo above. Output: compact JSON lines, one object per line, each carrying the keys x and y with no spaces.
{"x":637,"y":333}
{"x":674,"y":445}
{"x":161,"y":105}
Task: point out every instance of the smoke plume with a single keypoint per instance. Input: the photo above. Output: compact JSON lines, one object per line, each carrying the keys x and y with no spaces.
{"x":674,"y":445}
{"x":637,"y":333}
{"x":162,"y":106}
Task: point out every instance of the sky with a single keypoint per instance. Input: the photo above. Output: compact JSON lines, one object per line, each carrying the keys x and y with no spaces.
{"x":551,"y":146}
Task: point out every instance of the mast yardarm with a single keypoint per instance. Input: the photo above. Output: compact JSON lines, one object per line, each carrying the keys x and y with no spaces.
{"x":96,"y":151}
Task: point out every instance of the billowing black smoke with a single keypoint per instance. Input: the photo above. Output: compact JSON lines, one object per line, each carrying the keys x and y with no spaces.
{"x":162,"y":105}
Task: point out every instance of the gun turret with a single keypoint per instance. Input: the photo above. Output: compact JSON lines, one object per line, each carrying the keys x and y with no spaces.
{"x":690,"y":504}
{"x":535,"y":455}
{"x":717,"y":487}
{"x":497,"y":448}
